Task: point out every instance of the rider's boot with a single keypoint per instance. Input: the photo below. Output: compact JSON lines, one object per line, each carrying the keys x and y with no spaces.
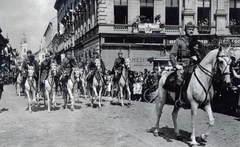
{"x":178,"y":102}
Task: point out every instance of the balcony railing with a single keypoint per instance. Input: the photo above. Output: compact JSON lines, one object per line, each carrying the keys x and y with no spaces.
{"x":120,"y":27}
{"x":234,"y":29}
{"x":172,"y":28}
{"x":147,"y":28}
{"x":204,"y":29}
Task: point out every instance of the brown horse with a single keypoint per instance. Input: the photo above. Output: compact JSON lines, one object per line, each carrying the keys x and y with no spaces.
{"x":199,"y":92}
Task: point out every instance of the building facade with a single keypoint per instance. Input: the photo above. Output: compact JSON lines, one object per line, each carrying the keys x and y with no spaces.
{"x":140,"y":28}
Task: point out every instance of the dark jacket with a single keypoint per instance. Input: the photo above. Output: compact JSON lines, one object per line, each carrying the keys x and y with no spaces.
{"x":67,"y":66}
{"x":45,"y":67}
{"x":30,"y":61}
{"x":92,"y":67}
{"x":118,"y":65}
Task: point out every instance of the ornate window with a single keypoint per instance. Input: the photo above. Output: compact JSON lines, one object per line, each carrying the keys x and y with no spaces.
{"x":172,"y":12}
{"x":204,"y":16}
{"x":234,"y":17}
{"x":146,"y":11}
{"x":120,"y":11}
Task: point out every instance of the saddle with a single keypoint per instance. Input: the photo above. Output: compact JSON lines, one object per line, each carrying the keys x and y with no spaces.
{"x":170,"y":83}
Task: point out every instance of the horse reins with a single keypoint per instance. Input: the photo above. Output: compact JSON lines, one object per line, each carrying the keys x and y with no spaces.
{"x":204,"y":70}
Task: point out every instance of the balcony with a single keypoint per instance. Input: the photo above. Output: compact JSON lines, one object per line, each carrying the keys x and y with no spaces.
{"x":147,"y":28}
{"x":234,"y":29}
{"x":204,"y":29}
{"x":172,"y":28}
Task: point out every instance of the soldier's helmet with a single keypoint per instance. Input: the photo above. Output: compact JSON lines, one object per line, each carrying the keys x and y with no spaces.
{"x":29,"y":52}
{"x":120,"y":53}
{"x":189,"y":25}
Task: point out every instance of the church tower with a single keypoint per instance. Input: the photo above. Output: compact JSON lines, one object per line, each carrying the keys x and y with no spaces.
{"x":23,"y":46}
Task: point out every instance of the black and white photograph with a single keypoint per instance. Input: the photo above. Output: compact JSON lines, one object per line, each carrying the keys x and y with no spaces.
{"x":120,"y":73}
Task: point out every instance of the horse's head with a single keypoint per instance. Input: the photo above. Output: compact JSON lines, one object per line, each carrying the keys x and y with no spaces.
{"x":127,"y":63}
{"x":223,"y":62}
{"x":31,"y":72}
{"x":77,"y":74}
{"x":54,"y":68}
{"x":98,"y":63}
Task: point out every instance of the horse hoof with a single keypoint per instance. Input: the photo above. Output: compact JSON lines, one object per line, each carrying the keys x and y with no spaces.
{"x":72,"y":108}
{"x":193,"y":143}
{"x":49,"y":111}
{"x":155,"y":133}
{"x":122,"y":105}
{"x":64,"y":107}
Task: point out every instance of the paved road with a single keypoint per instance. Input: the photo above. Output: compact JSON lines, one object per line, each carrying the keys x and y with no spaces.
{"x":112,"y":126}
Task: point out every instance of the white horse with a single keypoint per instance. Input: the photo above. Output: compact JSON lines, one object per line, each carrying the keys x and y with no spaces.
{"x":19,"y":80}
{"x":97,"y":84}
{"x":31,"y":87}
{"x":71,"y":85}
{"x":124,"y":82}
{"x":83,"y":81}
{"x":199,"y":91}
{"x":50,"y":86}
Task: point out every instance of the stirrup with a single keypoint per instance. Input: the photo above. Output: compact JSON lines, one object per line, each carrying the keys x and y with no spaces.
{"x":178,"y":103}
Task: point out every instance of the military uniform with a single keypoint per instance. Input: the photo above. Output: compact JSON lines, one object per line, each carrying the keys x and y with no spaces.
{"x":92,"y":67}
{"x":66,"y":68}
{"x":118,"y":66}
{"x":187,"y":51}
{"x":45,"y":67}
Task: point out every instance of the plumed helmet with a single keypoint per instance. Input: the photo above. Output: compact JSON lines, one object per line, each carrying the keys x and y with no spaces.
{"x":189,"y":25}
{"x":29,"y":52}
{"x":120,"y":53}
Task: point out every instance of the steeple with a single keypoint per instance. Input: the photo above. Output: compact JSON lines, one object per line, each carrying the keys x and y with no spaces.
{"x":24,"y":38}
{"x":23,"y":45}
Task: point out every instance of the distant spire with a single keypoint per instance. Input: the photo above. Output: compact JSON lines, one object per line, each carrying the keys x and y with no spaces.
{"x":24,"y":38}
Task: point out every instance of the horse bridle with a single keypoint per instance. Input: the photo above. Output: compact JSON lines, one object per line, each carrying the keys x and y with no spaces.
{"x":211,"y":75}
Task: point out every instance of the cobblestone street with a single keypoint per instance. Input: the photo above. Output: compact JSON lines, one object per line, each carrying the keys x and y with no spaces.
{"x":111,"y":126}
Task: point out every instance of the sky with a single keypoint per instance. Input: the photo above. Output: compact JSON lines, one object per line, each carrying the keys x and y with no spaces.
{"x":28,"y":16}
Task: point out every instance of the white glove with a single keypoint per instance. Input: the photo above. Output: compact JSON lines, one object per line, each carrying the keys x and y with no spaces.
{"x":179,"y":67}
{"x":194,"y":58}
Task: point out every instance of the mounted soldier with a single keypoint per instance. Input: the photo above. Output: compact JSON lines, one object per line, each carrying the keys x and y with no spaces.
{"x":186,"y":52}
{"x":29,"y":61}
{"x":92,"y":67}
{"x":118,"y":67}
{"x":45,"y":67}
{"x":66,"y":68}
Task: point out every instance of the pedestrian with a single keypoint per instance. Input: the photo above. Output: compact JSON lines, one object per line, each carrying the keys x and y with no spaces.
{"x":185,"y":53}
